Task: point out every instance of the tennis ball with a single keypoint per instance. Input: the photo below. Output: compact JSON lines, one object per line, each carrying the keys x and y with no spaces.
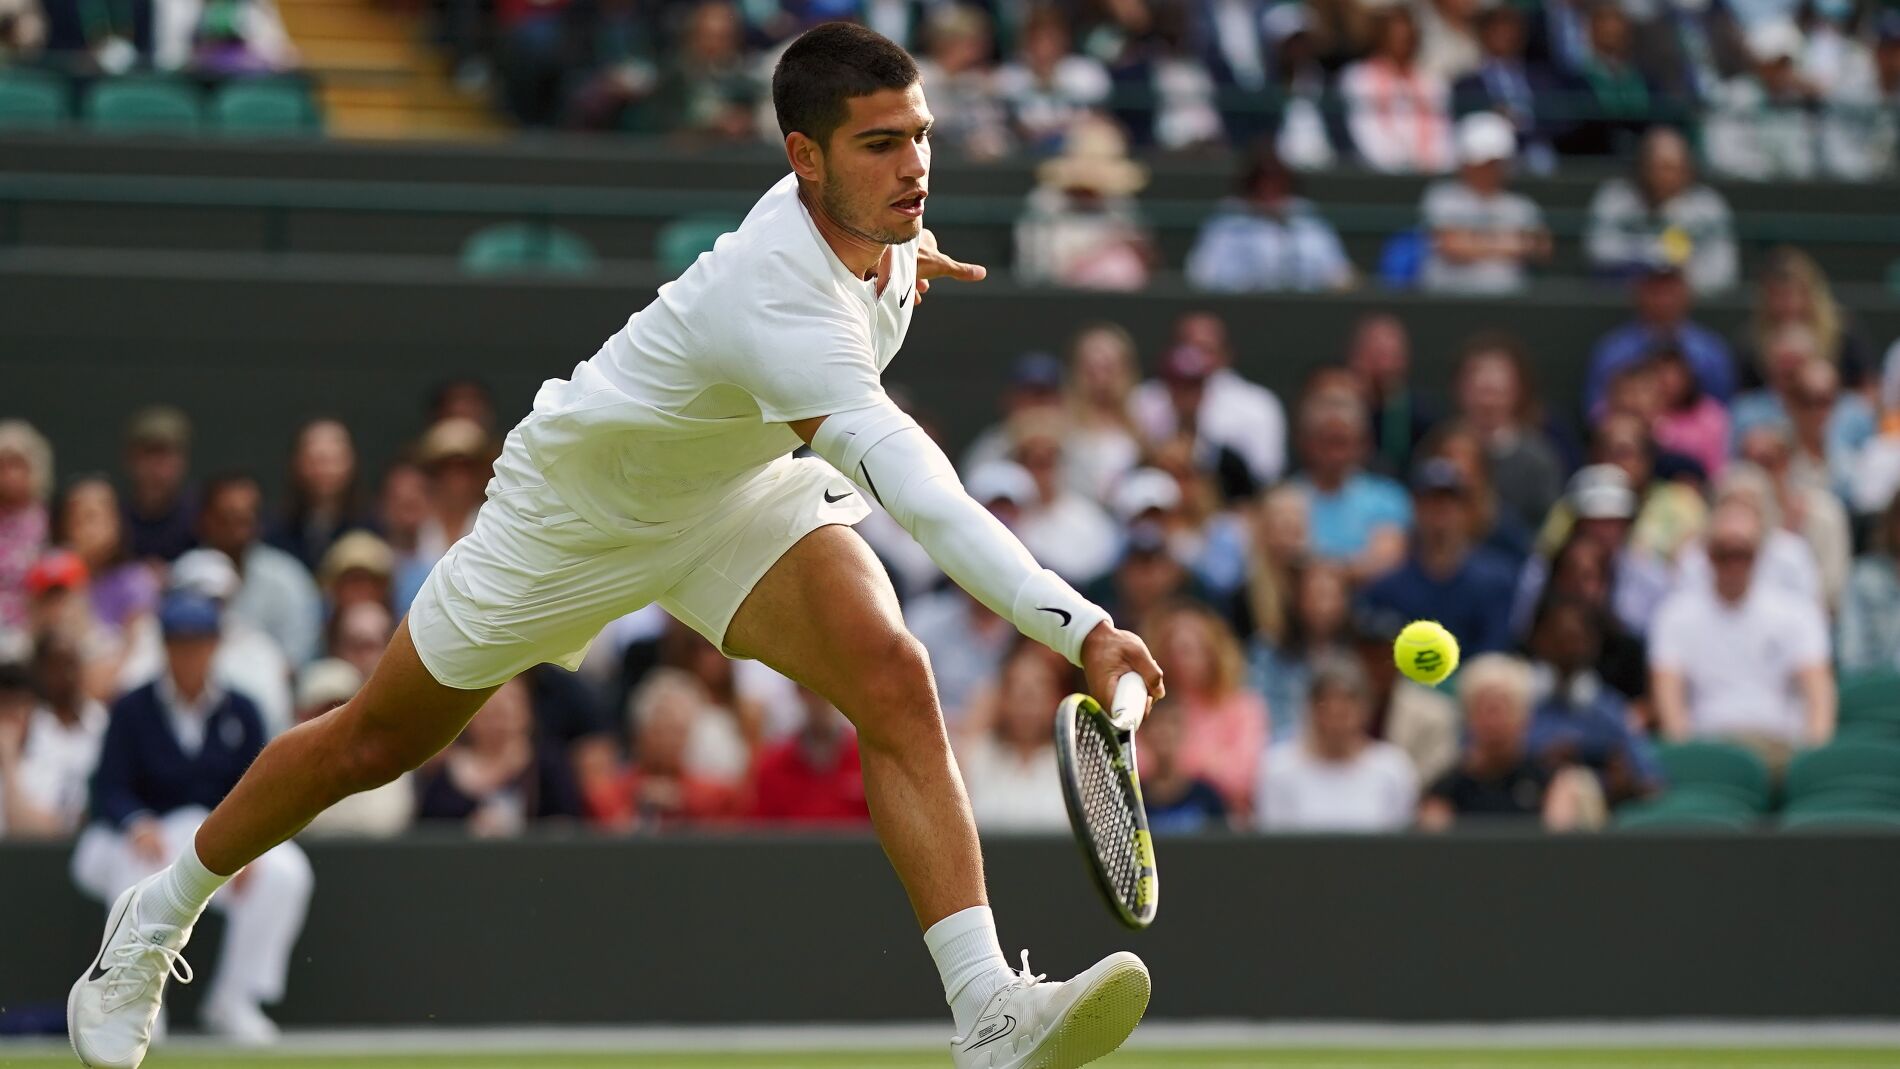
{"x":1426,"y":652}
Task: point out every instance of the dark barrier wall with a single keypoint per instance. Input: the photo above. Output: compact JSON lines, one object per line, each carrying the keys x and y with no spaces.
{"x":252,"y":344}
{"x":1466,"y":928}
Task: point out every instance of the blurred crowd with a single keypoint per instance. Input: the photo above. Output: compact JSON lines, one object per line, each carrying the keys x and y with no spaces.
{"x":208,"y":39}
{"x":1699,"y":550}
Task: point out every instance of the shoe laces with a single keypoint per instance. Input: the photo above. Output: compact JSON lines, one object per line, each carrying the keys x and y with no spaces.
{"x":144,"y":961}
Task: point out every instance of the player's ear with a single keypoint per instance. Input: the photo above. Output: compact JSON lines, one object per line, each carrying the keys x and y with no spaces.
{"x":805,"y":156}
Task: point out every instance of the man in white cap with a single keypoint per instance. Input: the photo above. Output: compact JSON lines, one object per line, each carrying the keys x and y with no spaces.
{"x":1482,"y":234}
{"x":1765,"y":126}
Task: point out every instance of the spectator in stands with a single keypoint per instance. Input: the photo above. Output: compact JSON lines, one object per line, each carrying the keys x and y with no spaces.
{"x":1870,"y":612}
{"x":1585,"y":571}
{"x":172,"y":750}
{"x":1493,"y":528}
{"x":1420,"y":720}
{"x":1634,"y":221}
{"x":1793,"y":291}
{"x":59,"y":594}
{"x":380,"y":813}
{"x":322,"y":492}
{"x":618,"y":59}
{"x":1177,"y":802}
{"x":1809,"y":510}
{"x":89,"y":524}
{"x":1497,"y":776}
{"x":1226,"y":722}
{"x":812,"y":777}
{"x":1048,"y":87}
{"x":1080,"y":226}
{"x":1009,"y":768}
{"x":401,"y":512}
{"x":1232,"y":413}
{"x":17,"y":698}
{"x":1379,"y":364}
{"x":458,"y":457}
{"x":966,"y":643}
{"x":1318,"y":625}
{"x":659,"y":789}
{"x":248,"y":661}
{"x":1278,"y":546}
{"x":26,"y":479}
{"x":358,"y":633}
{"x":728,"y":730}
{"x":1670,"y":512}
{"x":1687,"y":421}
{"x":1183,"y":503}
{"x":1334,"y":776}
{"x":1448,"y":44}
{"x":1600,"y":507}
{"x":1484,"y":237}
{"x":1663,"y":302}
{"x":462,"y":397}
{"x":1744,"y":660}
{"x":1306,"y":134}
{"x":1610,"y":97}
{"x":357,"y":567}
{"x":1577,"y":717}
{"x":275,"y":592}
{"x":969,"y":115}
{"x":1035,"y":382}
{"x":22,"y":31}
{"x":1398,"y":112}
{"x":1268,"y":238}
{"x":1763,"y":127}
{"x":1846,"y":422}
{"x":1067,"y":532}
{"x":1101,"y":384}
{"x":1446,"y":576}
{"x":708,"y":90}
{"x":47,"y":756}
{"x":1497,"y":402}
{"x":1507,"y":83}
{"x":1865,"y":127}
{"x":1785,"y":560}
{"x":1146,"y":578}
{"x":501,"y":776}
{"x":1356,"y":517}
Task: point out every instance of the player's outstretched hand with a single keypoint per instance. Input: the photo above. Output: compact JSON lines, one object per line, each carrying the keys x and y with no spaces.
{"x":932,"y":263}
{"x":1107,"y":652}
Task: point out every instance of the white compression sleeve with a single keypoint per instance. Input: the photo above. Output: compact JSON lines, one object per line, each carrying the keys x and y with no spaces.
{"x":890,"y":457}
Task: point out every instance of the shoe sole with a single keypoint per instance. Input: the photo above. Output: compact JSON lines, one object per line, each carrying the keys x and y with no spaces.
{"x":113,"y":920}
{"x":1099,"y":1022}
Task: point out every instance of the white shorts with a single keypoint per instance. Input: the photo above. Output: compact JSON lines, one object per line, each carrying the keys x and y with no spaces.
{"x":535,"y":582}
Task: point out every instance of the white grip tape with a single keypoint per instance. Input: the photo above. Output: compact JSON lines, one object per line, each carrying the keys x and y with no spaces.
{"x":1130,"y":706}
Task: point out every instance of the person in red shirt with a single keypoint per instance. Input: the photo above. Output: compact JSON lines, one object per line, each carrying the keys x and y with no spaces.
{"x":812,"y":777}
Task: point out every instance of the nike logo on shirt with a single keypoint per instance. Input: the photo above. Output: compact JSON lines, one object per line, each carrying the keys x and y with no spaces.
{"x":905,"y":297}
{"x":830,"y":500}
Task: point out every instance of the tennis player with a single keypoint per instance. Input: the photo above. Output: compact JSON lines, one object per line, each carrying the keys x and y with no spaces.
{"x":661,"y":471}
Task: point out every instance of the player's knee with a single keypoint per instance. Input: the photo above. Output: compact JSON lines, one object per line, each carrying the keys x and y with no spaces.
{"x":898,"y":698}
{"x":372,"y":758}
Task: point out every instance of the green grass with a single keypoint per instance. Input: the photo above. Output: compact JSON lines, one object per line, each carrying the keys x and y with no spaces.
{"x":1434,"y":1058}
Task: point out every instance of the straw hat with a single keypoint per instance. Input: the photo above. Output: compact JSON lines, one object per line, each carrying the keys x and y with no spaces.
{"x":1094,"y":158}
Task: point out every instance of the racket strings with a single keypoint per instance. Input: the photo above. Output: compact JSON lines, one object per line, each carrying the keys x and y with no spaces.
{"x":1109,"y":806}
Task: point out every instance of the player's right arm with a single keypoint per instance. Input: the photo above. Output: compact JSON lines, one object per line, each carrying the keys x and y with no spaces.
{"x":892,"y":459}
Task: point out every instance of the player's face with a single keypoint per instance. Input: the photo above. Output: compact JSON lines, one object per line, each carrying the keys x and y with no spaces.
{"x":877,"y":167}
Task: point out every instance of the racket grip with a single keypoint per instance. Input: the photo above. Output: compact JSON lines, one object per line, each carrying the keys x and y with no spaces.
{"x":1130,"y":705}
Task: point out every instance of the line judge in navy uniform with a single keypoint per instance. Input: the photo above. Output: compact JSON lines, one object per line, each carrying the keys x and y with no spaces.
{"x":173,"y":749}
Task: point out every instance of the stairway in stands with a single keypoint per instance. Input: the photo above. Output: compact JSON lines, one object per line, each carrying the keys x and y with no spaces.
{"x":380,"y":76}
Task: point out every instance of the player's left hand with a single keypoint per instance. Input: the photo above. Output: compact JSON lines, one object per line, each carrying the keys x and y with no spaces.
{"x":932,"y":263}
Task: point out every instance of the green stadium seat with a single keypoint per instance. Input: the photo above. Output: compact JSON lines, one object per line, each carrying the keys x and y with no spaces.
{"x":32,"y":99}
{"x":1717,"y":767}
{"x":144,"y":104}
{"x":1874,"y":724}
{"x":265,"y":107}
{"x":1869,"y":767}
{"x":680,"y":242}
{"x":1876,"y":689}
{"x":526,"y":248}
{"x":1654,"y":818}
{"x":1843,"y":820}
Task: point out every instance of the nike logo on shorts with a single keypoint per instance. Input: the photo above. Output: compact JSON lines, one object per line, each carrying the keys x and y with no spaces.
{"x":830,"y":500}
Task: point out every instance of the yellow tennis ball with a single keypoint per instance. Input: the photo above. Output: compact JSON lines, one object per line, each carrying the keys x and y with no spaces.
{"x":1426,"y":652}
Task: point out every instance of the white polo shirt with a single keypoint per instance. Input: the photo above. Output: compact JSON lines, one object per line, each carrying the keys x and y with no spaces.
{"x":1740,"y":660}
{"x":1375,"y":791}
{"x":691,"y":397}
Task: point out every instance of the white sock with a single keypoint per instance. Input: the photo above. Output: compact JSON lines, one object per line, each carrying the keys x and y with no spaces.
{"x":179,"y":895}
{"x":970,"y":960}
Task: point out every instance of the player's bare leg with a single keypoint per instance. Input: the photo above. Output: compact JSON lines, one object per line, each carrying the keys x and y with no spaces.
{"x":826,"y":616}
{"x":400,"y":719}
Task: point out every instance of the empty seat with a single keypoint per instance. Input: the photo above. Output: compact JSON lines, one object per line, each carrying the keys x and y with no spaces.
{"x":144,"y":105}
{"x":1869,"y":767}
{"x":265,"y":107}
{"x":32,"y":100}
{"x":681,"y":241}
{"x":526,"y":248}
{"x":1716,"y":766}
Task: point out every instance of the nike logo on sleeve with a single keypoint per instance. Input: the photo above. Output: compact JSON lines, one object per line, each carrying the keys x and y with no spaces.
{"x":1064,"y":613}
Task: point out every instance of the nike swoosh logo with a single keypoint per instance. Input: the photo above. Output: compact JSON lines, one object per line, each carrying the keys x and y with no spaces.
{"x":98,"y":964}
{"x":1064,"y":613}
{"x":829,"y":500}
{"x":1008,"y":1027}
{"x":905,"y":297}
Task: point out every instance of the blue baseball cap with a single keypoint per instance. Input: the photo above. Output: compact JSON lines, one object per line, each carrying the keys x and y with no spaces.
{"x":1036,"y":371}
{"x":186,"y":614}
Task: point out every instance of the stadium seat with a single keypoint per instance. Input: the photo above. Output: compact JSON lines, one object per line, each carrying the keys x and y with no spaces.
{"x":1843,"y":820}
{"x":526,"y":248}
{"x":32,"y":100}
{"x":144,"y":105}
{"x":681,"y":241}
{"x":1662,"y":818}
{"x":265,"y":107}
{"x":1717,"y":767}
{"x":1870,"y":767}
{"x":1878,"y":689}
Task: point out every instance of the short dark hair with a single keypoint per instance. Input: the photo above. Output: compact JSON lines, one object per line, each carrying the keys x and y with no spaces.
{"x":827,"y":66}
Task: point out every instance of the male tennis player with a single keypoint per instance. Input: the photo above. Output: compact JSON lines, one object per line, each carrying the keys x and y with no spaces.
{"x":661,"y":471}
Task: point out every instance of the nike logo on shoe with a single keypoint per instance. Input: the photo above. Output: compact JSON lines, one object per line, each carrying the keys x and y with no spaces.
{"x":830,"y":500}
{"x":991,"y":1034}
{"x":1064,"y":613}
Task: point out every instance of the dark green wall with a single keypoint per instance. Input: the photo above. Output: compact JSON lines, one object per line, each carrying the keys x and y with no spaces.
{"x":1464,"y":928}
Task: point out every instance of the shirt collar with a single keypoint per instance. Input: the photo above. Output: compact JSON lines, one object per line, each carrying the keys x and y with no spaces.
{"x":175,"y":703}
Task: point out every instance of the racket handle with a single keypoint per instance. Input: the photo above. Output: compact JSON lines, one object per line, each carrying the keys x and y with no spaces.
{"x":1130,"y":706}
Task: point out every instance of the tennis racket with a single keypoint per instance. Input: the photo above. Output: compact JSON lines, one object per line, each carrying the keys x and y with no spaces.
{"x":1096,"y":753}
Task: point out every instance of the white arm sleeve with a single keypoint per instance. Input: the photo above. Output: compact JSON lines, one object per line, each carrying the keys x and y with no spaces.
{"x":890,"y":457}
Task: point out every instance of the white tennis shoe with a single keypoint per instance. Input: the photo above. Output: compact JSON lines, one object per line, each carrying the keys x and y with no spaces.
{"x":1032,"y":1024}
{"x":110,"y":1012}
